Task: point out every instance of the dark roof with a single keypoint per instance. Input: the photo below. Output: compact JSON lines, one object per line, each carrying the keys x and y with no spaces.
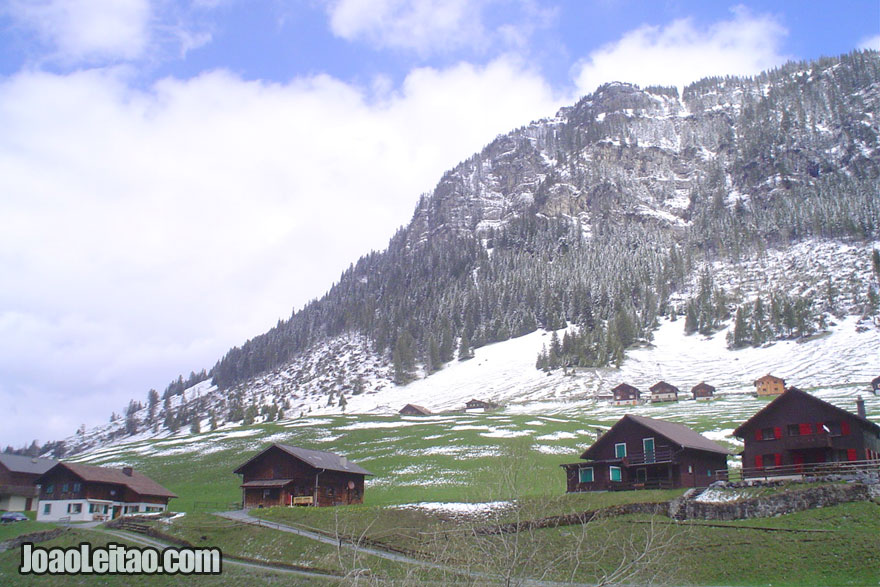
{"x":625,"y":387}
{"x":23,"y":464}
{"x":795,"y":393}
{"x":676,"y":433}
{"x":419,"y":409}
{"x":660,"y":386}
{"x":267,"y":483}
{"x":137,"y":482}
{"x":315,"y":458}
{"x":702,"y":385}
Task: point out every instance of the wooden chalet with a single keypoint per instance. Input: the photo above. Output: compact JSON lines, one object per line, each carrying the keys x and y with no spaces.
{"x":797,"y":429}
{"x":626,"y":395}
{"x":769,"y":385}
{"x":17,"y":476}
{"x":644,"y":453}
{"x":83,"y":493}
{"x":703,"y":390}
{"x":290,"y":475}
{"x":875,"y":385}
{"x":478,"y":405}
{"x":414,"y":410}
{"x":664,"y":392}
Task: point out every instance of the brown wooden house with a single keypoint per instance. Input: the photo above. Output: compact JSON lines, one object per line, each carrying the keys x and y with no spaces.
{"x":664,"y":392}
{"x":290,"y":475}
{"x":478,"y":405}
{"x":17,"y":476}
{"x":626,"y":395}
{"x":414,"y":410}
{"x":703,"y":390}
{"x":875,"y":385}
{"x":84,"y":493}
{"x":769,"y":385}
{"x":639,"y":452}
{"x":798,"y":429}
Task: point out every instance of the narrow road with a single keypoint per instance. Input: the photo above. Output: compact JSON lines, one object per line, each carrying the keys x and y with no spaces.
{"x":147,"y":541}
{"x":244,"y":517}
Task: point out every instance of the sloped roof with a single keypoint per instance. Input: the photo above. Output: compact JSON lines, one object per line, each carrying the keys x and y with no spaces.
{"x":675,"y":433}
{"x":702,"y":385}
{"x":137,"y":482}
{"x":793,"y":393}
{"x":419,"y":409}
{"x":23,"y":464}
{"x":315,"y":458}
{"x":625,"y":387}
{"x":660,"y":386}
{"x":769,"y":377}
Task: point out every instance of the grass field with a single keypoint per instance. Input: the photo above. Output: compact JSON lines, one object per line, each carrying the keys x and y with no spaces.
{"x":505,"y":457}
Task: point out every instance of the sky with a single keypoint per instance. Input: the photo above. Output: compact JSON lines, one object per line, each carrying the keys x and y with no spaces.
{"x":177,"y":176}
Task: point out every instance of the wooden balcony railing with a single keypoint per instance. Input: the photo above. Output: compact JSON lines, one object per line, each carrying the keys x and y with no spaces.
{"x":804,"y":470}
{"x":663,"y":454}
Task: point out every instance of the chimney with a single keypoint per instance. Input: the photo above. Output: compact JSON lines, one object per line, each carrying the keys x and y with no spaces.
{"x":860,"y":407}
{"x":343,"y":461}
{"x":127,"y":471}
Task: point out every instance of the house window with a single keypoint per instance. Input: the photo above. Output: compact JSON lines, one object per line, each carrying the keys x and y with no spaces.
{"x":64,"y":488}
{"x":74,"y":508}
{"x":50,"y":488}
{"x":767,"y":434}
{"x":620,"y":450}
{"x":616,"y":474}
{"x":708,"y":472}
{"x":93,"y":509}
{"x":106,"y":509}
{"x":794,"y":430}
{"x":47,"y":508}
{"x":76,"y":487}
{"x":585,"y":475}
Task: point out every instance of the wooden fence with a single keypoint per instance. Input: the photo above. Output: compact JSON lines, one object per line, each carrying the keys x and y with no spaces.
{"x":799,"y":471}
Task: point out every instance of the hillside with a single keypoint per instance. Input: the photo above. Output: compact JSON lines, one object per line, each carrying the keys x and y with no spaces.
{"x":743,"y":209}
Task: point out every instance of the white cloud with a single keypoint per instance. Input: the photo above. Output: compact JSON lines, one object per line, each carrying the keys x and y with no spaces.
{"x":871,"y":43}
{"x":87,"y":30}
{"x":143,"y":233}
{"x":436,"y":26}
{"x":683,"y":52}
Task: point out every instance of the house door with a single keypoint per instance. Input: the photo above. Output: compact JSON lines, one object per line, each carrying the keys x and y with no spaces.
{"x":648,"y":446}
{"x":28,"y":503}
{"x":641,"y":475}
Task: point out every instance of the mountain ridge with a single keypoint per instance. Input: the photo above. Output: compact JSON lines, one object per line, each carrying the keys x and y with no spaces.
{"x":597,"y":218}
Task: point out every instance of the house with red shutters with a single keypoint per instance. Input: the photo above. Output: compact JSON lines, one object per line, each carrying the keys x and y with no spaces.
{"x":797,"y":429}
{"x":646,"y":453}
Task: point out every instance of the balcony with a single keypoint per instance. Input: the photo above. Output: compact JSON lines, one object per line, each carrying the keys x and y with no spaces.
{"x":23,"y":490}
{"x":807,"y":441}
{"x":663,"y":454}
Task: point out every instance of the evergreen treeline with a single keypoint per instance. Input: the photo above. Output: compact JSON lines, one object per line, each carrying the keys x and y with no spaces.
{"x":795,"y":157}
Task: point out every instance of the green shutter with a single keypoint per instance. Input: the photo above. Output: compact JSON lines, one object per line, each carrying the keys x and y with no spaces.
{"x":585,"y":475}
{"x":615,"y":474}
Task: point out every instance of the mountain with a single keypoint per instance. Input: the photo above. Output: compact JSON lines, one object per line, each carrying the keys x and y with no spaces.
{"x":748,"y":207}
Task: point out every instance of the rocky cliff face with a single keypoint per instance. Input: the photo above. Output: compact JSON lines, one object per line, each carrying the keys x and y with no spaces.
{"x":625,"y":151}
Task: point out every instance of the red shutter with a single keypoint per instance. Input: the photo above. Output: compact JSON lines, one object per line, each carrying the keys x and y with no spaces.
{"x":778,"y":459}
{"x":844,"y":428}
{"x":805,"y":429}
{"x":819,"y":428}
{"x":777,"y":432}
{"x":759,"y":461}
{"x":797,"y":458}
{"x":850,"y":454}
{"x":758,"y":434}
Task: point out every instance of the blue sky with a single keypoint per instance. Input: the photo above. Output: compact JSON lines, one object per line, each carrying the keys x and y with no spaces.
{"x":177,"y":176}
